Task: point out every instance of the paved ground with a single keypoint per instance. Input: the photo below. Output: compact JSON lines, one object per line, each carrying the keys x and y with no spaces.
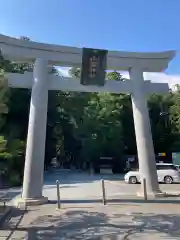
{"x":145,"y":221}
{"x":84,"y":217}
{"x":84,"y":187}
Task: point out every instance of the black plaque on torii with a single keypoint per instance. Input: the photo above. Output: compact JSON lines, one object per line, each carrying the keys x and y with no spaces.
{"x":93,"y":70}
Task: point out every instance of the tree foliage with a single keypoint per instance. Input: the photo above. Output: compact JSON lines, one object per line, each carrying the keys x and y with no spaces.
{"x":114,"y":75}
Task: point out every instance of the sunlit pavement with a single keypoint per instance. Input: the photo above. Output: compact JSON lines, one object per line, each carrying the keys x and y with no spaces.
{"x":127,"y":219}
{"x":82,"y":186}
{"x":85,"y":186}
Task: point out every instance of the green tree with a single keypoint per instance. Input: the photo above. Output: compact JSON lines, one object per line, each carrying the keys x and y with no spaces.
{"x":114,"y":75}
{"x":75,"y":72}
{"x":159,"y":110}
{"x":4,"y":93}
{"x":174,"y":118}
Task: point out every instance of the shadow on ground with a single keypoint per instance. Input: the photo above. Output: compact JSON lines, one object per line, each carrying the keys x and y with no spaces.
{"x":10,"y":193}
{"x":118,"y":201}
{"x":61,"y":187}
{"x":77,"y":224}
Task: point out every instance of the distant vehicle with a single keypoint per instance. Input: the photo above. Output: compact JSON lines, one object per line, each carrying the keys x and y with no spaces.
{"x":107,"y":165}
{"x":167,"y":173}
{"x":104,"y":165}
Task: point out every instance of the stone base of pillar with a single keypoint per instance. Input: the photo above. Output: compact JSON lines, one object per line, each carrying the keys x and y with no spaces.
{"x":21,"y":202}
{"x":152,"y":195}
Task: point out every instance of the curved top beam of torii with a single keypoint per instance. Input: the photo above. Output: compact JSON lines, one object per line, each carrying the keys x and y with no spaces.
{"x":28,"y":51}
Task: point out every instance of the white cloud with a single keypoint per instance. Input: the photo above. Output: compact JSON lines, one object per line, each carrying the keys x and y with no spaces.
{"x":163,"y":77}
{"x":159,"y":77}
{"x":153,"y":76}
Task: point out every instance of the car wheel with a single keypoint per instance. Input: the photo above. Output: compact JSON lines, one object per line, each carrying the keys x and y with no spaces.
{"x":132,"y":180}
{"x":168,"y":180}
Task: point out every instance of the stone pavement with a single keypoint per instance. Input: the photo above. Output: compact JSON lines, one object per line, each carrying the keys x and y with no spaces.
{"x":114,"y":222}
{"x":81,"y":186}
{"x":83,"y":217}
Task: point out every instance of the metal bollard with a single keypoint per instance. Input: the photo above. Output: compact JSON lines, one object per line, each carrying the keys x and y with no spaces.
{"x":144,"y":189}
{"x":103,"y":192}
{"x":58,"y":195}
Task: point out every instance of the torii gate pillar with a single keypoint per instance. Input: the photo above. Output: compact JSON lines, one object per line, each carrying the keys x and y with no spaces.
{"x":144,"y":142}
{"x":35,"y":146}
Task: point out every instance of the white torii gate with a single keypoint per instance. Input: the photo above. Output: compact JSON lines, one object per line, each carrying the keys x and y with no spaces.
{"x":40,"y":81}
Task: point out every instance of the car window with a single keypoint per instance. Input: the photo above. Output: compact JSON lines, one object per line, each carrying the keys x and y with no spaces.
{"x":166,"y":167}
{"x":134,"y":169}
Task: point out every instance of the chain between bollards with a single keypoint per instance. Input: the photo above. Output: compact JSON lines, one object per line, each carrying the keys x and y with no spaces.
{"x":103,"y":192}
{"x":58,"y":195}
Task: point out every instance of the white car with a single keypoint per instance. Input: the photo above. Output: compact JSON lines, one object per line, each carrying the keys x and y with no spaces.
{"x":166,"y":172}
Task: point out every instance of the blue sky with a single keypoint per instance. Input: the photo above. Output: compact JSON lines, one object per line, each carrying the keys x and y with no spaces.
{"x":130,"y":25}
